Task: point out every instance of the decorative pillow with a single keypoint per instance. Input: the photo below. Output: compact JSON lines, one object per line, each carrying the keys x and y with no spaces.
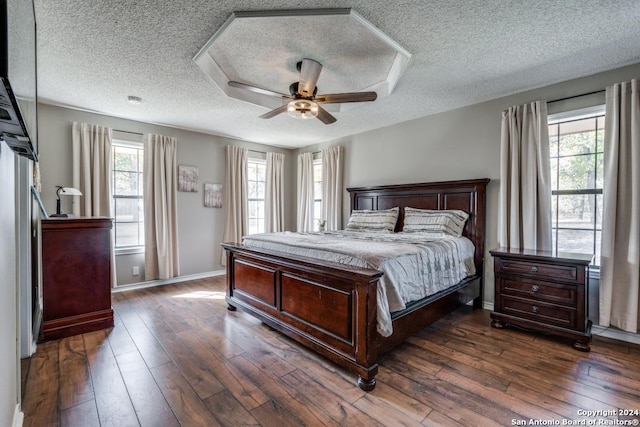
{"x":382,"y":221}
{"x":441,"y":222}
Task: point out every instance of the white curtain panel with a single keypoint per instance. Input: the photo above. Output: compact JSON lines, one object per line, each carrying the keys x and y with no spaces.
{"x":92,"y":162}
{"x":160,"y":178}
{"x":236,"y":196}
{"x":274,"y":193}
{"x":305,"y":192}
{"x":524,"y":218}
{"x":92,"y":166}
{"x":620,"y":256}
{"x":332,"y":187}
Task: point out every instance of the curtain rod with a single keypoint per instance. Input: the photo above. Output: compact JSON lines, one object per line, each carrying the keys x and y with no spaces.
{"x":127,"y":131}
{"x":576,"y":96}
{"x":264,"y":152}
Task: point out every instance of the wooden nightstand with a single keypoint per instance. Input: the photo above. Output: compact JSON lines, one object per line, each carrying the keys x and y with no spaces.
{"x":543,"y":291}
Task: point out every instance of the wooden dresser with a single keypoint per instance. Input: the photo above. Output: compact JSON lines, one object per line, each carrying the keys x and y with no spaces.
{"x":76,"y":276}
{"x":543,"y":291}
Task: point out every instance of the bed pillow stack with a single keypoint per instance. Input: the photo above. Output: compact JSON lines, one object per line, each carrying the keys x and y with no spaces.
{"x":440,"y":223}
{"x":370,"y":221}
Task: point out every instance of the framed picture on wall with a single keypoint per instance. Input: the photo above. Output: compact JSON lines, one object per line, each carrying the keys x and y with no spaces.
{"x":188,"y":178}
{"x":212,"y":195}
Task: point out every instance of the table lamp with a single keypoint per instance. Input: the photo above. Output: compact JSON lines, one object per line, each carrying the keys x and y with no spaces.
{"x":64,"y":191}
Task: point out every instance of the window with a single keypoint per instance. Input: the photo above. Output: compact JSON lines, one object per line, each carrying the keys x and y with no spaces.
{"x":576,"y":144}
{"x":257,"y":171}
{"x":128,"y":203}
{"x":317,"y":193}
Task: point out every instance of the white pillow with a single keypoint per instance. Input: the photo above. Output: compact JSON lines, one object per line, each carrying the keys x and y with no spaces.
{"x":370,"y":221}
{"x":439,"y":222}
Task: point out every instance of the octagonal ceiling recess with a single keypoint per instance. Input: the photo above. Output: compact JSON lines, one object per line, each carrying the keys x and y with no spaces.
{"x":262,"y":49}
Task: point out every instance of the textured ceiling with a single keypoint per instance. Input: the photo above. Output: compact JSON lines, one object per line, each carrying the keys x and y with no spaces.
{"x":93,"y":54}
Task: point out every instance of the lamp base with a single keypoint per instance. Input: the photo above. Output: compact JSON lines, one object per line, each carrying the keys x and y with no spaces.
{"x":62,"y":215}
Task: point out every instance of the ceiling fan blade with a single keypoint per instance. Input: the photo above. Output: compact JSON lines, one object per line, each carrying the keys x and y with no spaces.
{"x":309,"y":74}
{"x":274,"y":112}
{"x":324,"y":116}
{"x":258,"y":90}
{"x":336,"y":98}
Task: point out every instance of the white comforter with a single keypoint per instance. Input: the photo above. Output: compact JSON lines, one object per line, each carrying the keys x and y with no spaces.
{"x":415,"y":265}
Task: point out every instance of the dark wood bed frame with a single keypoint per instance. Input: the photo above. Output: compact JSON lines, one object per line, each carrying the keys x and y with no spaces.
{"x":331,"y":308}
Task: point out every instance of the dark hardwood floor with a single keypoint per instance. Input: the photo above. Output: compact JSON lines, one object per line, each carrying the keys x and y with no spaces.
{"x":176,"y":356}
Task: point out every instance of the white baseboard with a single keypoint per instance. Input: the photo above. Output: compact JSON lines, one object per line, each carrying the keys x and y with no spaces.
{"x":487,"y":305}
{"x":18,"y":417}
{"x":152,"y":283}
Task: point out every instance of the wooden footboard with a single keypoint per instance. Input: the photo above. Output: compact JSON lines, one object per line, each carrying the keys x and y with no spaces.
{"x":327,"y":307}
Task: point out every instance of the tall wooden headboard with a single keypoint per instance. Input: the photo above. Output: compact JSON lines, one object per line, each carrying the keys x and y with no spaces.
{"x":466,"y":195}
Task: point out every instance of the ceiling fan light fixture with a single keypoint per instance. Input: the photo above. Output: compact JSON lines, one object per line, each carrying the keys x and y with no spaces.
{"x":302,"y":109}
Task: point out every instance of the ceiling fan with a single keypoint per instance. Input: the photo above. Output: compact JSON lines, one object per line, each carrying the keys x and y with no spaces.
{"x":304,"y":101}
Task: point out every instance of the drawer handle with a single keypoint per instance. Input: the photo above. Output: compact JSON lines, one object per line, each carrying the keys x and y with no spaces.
{"x":534,"y":309}
{"x":535,"y":288}
{"x":534,"y":269}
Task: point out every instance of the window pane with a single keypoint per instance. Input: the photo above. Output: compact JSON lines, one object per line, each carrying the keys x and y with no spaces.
{"x":253,"y":226}
{"x":260,"y":190}
{"x":140,"y":185}
{"x":317,"y":210}
{"x":576,"y":211}
{"x":596,"y":260}
{"x":126,"y":183}
{"x":141,"y":234}
{"x":553,"y":140}
{"x":261,"y":172}
{"x":598,"y":211}
{"x":577,"y":172}
{"x":599,"y":170}
{"x":125,"y":159}
{"x":126,"y":234}
{"x":252,"y":188}
{"x":128,"y":210}
{"x":253,"y":208}
{"x":554,"y":173}
{"x":578,"y":241}
{"x":578,"y":137}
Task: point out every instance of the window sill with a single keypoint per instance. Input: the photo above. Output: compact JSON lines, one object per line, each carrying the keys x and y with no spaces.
{"x":129,"y":251}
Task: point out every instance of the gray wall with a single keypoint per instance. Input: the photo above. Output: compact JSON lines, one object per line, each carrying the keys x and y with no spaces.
{"x":200,"y":229}
{"x":458,"y":144}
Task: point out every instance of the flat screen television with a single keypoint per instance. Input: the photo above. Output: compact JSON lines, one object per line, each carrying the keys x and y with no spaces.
{"x":18,"y":82}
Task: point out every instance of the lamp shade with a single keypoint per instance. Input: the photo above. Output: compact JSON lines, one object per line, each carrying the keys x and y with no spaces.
{"x":69,"y":191}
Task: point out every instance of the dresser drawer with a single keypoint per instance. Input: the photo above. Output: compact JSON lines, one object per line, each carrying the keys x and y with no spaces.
{"x":535,"y":269}
{"x":538,"y":290}
{"x":539,"y":311}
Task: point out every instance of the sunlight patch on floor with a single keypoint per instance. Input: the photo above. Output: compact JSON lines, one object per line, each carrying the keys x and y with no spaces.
{"x":202,"y":295}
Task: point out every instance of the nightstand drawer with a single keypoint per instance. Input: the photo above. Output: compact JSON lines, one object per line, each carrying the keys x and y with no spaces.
{"x":539,"y":290}
{"x":540,"y":311}
{"x":555,"y":272}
